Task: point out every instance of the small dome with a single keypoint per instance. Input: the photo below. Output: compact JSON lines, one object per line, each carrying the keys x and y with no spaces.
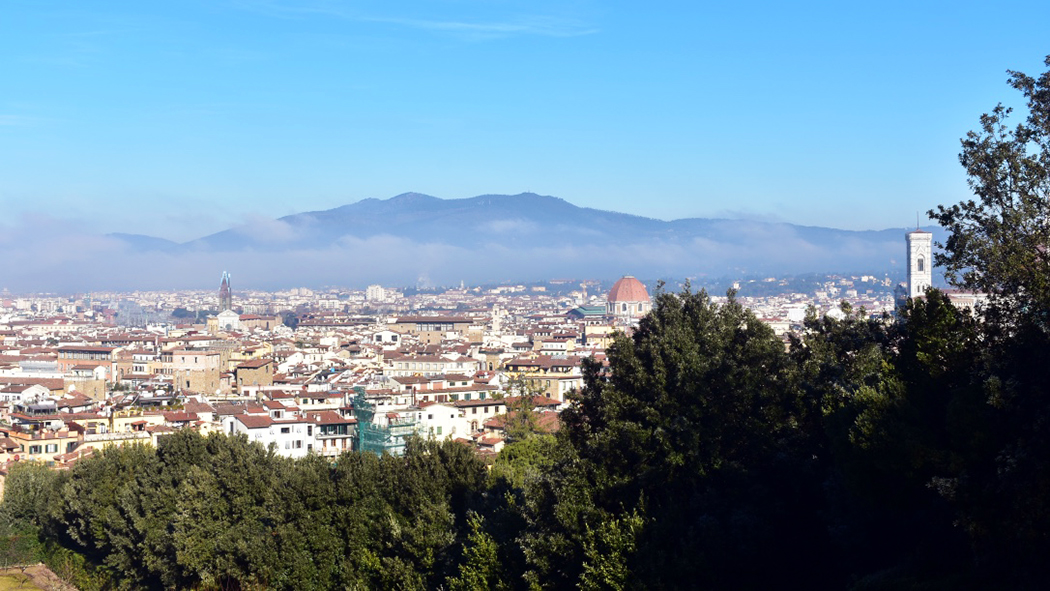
{"x":628,"y":289}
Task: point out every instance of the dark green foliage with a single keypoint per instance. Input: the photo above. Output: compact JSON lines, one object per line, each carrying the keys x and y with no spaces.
{"x":525,"y":459}
{"x":1000,"y":244}
{"x":220,"y":512}
{"x":25,"y":495}
{"x":999,"y":241}
{"x":689,"y":461}
{"x":481,"y":568}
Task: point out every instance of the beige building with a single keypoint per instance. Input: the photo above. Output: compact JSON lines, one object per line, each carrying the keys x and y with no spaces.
{"x":551,"y":376}
{"x":260,"y":322}
{"x":254,"y":372}
{"x":197,"y":371}
{"x":430,"y":330}
{"x":41,"y":446}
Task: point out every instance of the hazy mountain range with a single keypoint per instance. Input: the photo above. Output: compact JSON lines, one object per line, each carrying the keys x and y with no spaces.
{"x":418,"y":238}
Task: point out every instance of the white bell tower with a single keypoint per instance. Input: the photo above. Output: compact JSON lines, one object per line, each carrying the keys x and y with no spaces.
{"x":920,"y":262}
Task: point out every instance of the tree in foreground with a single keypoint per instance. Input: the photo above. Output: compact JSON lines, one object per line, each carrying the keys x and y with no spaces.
{"x":1000,"y":245}
{"x":688,"y":467}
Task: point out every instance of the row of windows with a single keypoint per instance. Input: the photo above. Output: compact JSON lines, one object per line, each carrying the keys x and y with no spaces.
{"x":51,"y":448}
{"x":435,"y":326}
{"x":421,"y":365}
{"x":83,"y":355}
{"x":451,"y":397}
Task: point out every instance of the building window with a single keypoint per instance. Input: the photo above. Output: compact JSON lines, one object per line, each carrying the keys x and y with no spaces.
{"x":51,"y":448}
{"x":439,"y":431}
{"x":286,"y":429}
{"x":922,"y":264}
{"x":34,"y":449}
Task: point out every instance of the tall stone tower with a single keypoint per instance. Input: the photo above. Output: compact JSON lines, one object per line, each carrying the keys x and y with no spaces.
{"x":225,"y":295}
{"x":920,"y":262}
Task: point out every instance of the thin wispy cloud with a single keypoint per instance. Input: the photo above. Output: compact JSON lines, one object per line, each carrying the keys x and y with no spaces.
{"x":511,"y":25}
{"x":540,"y":26}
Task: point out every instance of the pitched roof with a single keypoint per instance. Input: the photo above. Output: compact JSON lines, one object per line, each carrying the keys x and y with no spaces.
{"x":254,"y":421}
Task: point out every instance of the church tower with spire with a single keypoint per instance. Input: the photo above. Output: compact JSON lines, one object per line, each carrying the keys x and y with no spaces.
{"x":225,"y":295}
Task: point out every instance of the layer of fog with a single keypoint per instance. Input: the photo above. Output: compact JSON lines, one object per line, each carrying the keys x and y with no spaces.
{"x":47,"y":255}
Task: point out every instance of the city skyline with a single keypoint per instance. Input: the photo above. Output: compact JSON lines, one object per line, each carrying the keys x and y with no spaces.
{"x":181,"y":120}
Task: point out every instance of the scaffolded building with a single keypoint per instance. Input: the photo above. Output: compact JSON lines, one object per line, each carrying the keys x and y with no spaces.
{"x":378,"y":438}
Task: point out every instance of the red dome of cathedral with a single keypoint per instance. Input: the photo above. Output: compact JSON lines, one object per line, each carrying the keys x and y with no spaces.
{"x":628,"y":289}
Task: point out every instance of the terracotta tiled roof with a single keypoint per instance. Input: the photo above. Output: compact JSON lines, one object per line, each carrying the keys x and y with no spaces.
{"x":254,"y":422}
{"x":628,"y":289}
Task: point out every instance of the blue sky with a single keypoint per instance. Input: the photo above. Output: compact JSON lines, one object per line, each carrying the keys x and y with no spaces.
{"x":178,"y":119}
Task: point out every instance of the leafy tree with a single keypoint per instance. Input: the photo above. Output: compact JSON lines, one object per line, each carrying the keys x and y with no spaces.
{"x":999,"y":245}
{"x":520,"y":419}
{"x":607,"y":549}
{"x":481,"y":567}
{"x":19,"y":551}
{"x":290,"y":319}
{"x":697,"y":418}
{"x":998,"y":242}
{"x":524,"y":459}
{"x":894,"y":405}
{"x":26,"y":494}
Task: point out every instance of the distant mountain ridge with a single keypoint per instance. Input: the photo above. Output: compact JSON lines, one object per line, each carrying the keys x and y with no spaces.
{"x":143,"y":242}
{"x":524,"y":218}
{"x":493,"y":237}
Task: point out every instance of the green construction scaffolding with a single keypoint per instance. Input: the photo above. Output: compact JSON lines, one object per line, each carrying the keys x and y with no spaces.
{"x":378,"y":438}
